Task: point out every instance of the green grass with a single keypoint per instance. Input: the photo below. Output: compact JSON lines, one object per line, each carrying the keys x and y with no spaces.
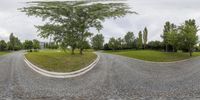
{"x":155,"y":56}
{"x":59,"y":61}
{"x":3,"y":53}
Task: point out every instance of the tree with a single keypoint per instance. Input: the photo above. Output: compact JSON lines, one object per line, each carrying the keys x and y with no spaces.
{"x":155,"y":45}
{"x":119,"y":43}
{"x":188,"y":32}
{"x":3,"y":45}
{"x":97,"y":42}
{"x":112,"y":43}
{"x":28,"y":45}
{"x":173,"y":37}
{"x":106,"y":47}
{"x":74,"y":18}
{"x":165,"y":35}
{"x":36,"y":44}
{"x":12,"y":41}
{"x":145,"y":36}
{"x":17,"y":45}
{"x":139,"y":42}
{"x":129,"y":40}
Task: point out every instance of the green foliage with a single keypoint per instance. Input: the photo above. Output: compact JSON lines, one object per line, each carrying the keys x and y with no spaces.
{"x":97,"y":42}
{"x":129,"y":40}
{"x":145,"y":36}
{"x":155,"y":45}
{"x":3,"y":45}
{"x":112,"y":43}
{"x":14,"y":43}
{"x":139,"y":40}
{"x":69,"y":21}
{"x":188,"y":35}
{"x":36,"y":44}
{"x":28,"y":45}
{"x":165,"y":35}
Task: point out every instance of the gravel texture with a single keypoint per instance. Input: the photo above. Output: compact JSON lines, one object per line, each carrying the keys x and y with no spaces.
{"x":113,"y":78}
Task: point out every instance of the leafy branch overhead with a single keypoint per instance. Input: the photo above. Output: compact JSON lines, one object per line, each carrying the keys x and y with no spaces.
{"x":69,"y":21}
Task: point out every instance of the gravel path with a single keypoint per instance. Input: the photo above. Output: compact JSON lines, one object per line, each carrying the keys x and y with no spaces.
{"x":113,"y":78}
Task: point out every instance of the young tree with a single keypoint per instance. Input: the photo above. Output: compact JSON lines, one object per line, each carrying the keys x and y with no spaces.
{"x":120,"y":43}
{"x":165,"y":35}
{"x":145,"y":36}
{"x":28,"y":45}
{"x":129,"y":40}
{"x":173,"y":37}
{"x":112,"y":43}
{"x":97,"y":42}
{"x":3,"y":45}
{"x":36,"y":44}
{"x":12,"y":41}
{"x":188,"y":32}
{"x":139,"y":42}
{"x":74,"y":17}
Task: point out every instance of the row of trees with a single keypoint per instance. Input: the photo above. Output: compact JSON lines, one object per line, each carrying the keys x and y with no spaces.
{"x":130,"y":41}
{"x":15,"y":44}
{"x":68,"y":22}
{"x":183,"y":37}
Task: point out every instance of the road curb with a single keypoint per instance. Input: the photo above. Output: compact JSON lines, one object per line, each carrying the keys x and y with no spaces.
{"x":62,"y":75}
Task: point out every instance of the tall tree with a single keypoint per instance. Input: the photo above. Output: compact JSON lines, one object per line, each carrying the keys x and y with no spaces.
{"x":139,"y":42}
{"x":145,"y":36}
{"x":173,"y":37}
{"x":120,"y":43}
{"x":97,"y":42}
{"x":12,"y":41}
{"x":129,"y":40}
{"x":74,"y":17}
{"x":112,"y":43}
{"x":165,"y":36}
{"x":36,"y":44}
{"x":28,"y":45}
{"x":188,"y":32}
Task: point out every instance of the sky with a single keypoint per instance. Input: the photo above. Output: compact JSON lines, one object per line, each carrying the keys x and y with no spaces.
{"x":151,"y":14}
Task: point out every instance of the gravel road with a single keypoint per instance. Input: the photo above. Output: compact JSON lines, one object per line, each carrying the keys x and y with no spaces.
{"x":113,"y":78}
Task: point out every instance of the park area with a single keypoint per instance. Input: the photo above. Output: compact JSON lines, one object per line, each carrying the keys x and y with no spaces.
{"x":153,"y":55}
{"x":60,"y":61}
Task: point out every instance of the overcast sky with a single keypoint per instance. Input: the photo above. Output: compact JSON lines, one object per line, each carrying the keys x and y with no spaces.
{"x":152,"y":14}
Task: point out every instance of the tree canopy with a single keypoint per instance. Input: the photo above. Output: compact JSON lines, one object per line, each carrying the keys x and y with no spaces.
{"x":69,"y":21}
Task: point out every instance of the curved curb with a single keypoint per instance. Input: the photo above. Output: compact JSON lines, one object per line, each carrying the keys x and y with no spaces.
{"x":62,"y":75}
{"x":146,"y":61}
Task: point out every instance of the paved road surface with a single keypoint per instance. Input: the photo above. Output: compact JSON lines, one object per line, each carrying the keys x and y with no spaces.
{"x":113,"y":78}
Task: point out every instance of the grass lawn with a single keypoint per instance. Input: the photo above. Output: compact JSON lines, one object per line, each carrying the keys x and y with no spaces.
{"x":155,"y":56}
{"x":59,"y":61}
{"x":3,"y":53}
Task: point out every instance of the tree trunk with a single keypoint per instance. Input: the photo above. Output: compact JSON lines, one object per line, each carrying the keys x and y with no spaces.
{"x":190,"y":50}
{"x":73,"y":51}
{"x":173,"y":49}
{"x":81,"y":51}
{"x":191,"y":53}
{"x":166,"y":48}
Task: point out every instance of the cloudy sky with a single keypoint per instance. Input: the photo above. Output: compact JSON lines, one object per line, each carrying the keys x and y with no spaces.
{"x":152,"y":14}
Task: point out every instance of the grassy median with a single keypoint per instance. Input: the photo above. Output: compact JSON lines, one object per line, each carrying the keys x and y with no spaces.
{"x":59,"y":61}
{"x":3,"y":53}
{"x":155,"y":56}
